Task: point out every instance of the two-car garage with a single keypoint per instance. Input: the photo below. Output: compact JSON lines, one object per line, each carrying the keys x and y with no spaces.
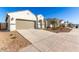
{"x":25,"y":24}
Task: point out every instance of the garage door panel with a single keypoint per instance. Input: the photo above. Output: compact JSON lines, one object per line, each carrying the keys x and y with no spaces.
{"x":25,"y":24}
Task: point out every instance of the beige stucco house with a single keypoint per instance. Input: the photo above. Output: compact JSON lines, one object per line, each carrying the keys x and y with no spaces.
{"x":24,"y":20}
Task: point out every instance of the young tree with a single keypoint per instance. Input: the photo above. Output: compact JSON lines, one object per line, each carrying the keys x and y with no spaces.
{"x":54,"y":22}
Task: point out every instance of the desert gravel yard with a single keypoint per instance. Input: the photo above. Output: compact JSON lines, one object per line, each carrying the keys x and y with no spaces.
{"x":12,"y":41}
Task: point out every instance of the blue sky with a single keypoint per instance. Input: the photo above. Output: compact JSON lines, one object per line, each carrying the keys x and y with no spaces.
{"x":66,"y":13}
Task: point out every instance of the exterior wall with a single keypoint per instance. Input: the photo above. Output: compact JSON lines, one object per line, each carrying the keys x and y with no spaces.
{"x":41,"y":23}
{"x":19,"y":15}
{"x":12,"y":27}
{"x":23,"y":15}
{"x":26,"y":15}
{"x":12,"y":24}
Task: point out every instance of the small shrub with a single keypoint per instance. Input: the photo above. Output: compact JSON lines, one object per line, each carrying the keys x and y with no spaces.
{"x":11,"y":34}
{"x":14,"y":37}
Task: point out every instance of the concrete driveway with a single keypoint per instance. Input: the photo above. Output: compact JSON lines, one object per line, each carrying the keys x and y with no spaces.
{"x":45,"y":41}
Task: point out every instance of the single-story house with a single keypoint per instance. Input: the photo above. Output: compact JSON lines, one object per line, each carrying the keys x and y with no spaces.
{"x":24,"y":20}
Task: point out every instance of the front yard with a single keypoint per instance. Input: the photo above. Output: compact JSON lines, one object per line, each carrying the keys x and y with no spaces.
{"x":41,"y":41}
{"x":12,"y":41}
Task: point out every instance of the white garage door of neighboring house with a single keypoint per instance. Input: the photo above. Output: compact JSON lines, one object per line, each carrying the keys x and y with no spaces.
{"x":24,"y":24}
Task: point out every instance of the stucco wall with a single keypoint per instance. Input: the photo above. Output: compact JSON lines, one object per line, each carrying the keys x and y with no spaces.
{"x":27,"y":15}
{"x":41,"y":24}
{"x":23,"y":15}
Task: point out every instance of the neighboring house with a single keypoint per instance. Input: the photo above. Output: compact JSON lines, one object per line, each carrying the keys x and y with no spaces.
{"x":41,"y":21}
{"x":24,"y":20}
{"x":62,"y":22}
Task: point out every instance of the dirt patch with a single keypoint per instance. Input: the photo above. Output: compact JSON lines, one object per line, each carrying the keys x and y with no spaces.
{"x":12,"y":41}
